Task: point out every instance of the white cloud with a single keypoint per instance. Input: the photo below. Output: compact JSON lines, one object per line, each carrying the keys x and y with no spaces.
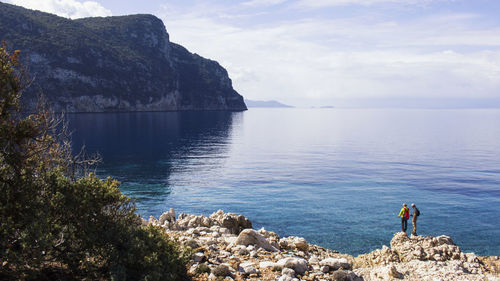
{"x":65,"y":8}
{"x":306,"y":61}
{"x":333,"y":3}
{"x":264,"y":2}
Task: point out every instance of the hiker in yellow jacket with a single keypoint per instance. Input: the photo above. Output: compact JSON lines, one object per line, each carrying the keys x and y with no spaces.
{"x":404,"y":214}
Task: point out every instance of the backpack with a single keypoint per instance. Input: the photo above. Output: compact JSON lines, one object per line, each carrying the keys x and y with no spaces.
{"x":406,"y":214}
{"x":417,"y":212}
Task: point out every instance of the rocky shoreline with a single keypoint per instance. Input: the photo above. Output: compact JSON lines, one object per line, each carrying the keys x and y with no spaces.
{"x":226,"y":247}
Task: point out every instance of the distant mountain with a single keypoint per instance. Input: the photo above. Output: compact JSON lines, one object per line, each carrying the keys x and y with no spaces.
{"x":270,"y":103}
{"x":124,"y":63}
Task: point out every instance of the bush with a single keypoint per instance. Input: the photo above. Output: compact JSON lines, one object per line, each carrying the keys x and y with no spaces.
{"x":56,"y":220}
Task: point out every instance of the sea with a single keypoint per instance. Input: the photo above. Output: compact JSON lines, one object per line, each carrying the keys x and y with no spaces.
{"x":337,"y":177}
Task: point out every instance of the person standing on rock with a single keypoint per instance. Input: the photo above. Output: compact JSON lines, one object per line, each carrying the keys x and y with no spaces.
{"x":404,"y":214}
{"x":414,"y":215}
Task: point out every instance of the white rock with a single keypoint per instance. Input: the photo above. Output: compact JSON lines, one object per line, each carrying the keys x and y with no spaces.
{"x":167,"y":216}
{"x":313,"y":260}
{"x":193,"y":231}
{"x":285,"y":278}
{"x":293,"y":242}
{"x":301,"y":244}
{"x":266,"y":264}
{"x":206,"y":221}
{"x":335,"y":264}
{"x":197,"y":257}
{"x":223,"y":230}
{"x":288,"y":271}
{"x":297,"y":264}
{"x":193,"y":269}
{"x":223,"y":253}
{"x":229,"y":239}
{"x":247,"y":268}
{"x":252,"y":237}
{"x":152,"y":220}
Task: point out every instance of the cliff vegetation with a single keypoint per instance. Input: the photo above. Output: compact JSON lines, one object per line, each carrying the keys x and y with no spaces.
{"x":124,"y":63}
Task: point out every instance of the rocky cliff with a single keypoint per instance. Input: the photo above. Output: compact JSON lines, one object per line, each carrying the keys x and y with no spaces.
{"x":227,"y":248}
{"x":124,"y":63}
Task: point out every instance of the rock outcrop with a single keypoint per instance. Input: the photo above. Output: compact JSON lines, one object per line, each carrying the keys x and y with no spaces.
{"x":423,"y":258}
{"x":124,"y":63}
{"x":227,"y":248}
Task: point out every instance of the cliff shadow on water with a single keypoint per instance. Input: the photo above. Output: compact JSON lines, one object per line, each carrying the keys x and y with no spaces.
{"x":144,"y":149}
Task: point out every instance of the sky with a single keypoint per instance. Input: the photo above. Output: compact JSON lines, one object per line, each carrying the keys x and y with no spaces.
{"x":345,"y":53}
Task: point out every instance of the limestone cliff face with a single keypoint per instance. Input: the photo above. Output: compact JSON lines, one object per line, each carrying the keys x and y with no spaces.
{"x":106,"y":64}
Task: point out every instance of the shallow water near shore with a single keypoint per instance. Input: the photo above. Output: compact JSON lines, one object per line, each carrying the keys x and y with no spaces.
{"x":336,"y":177}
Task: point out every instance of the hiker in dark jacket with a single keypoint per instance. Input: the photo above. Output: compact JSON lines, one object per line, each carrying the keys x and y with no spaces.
{"x":404,"y":214}
{"x":414,"y":215}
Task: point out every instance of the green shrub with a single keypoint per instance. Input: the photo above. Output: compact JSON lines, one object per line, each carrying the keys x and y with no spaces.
{"x":203,"y":268}
{"x":56,"y":220}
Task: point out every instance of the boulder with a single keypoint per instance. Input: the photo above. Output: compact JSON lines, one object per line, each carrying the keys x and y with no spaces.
{"x":298,"y":264}
{"x":301,"y":244}
{"x":252,"y":237}
{"x":168,"y":216}
{"x":335,"y":264}
{"x":247,"y":268}
{"x":235,"y":223}
{"x":313,"y":260}
{"x":207,"y":222}
{"x":266,"y":264}
{"x":243,"y":222}
{"x":288,"y":271}
{"x":286,"y":278}
{"x":198,"y":257}
{"x":345,"y":275}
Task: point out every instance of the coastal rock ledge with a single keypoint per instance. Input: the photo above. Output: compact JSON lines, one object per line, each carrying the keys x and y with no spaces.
{"x":225,"y":247}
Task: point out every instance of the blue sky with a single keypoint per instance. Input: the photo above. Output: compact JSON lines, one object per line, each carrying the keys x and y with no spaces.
{"x":334,"y":52}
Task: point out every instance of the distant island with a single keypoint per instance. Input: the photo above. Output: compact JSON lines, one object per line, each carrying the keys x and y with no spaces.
{"x":108,"y":64}
{"x":270,"y":103}
{"x":324,"y":107}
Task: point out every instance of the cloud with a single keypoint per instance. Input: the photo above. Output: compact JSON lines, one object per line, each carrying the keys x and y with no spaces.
{"x":334,"y":3}
{"x":304,"y":61}
{"x":264,"y":2}
{"x":65,"y":8}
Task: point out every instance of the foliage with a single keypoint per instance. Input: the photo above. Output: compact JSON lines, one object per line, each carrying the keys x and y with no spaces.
{"x":56,"y":223}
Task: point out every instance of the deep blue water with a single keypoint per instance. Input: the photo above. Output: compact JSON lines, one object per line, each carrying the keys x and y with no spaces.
{"x":337,"y":177}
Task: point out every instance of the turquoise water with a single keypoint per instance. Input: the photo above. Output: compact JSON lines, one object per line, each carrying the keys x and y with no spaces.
{"x":337,"y":177}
